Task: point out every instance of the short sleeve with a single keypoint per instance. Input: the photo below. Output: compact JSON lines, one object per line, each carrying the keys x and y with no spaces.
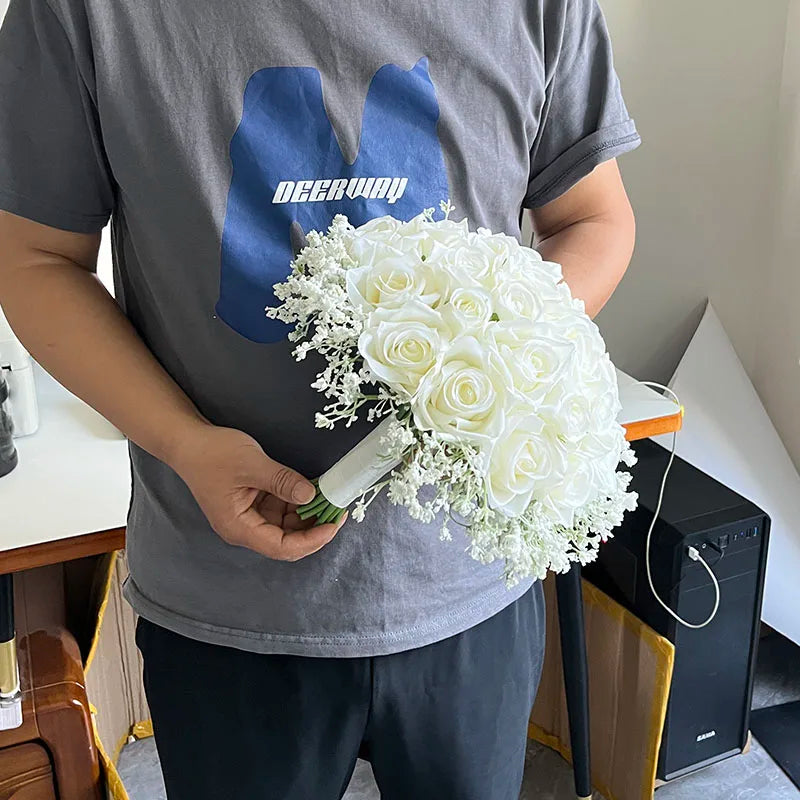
{"x":584,"y":120}
{"x":53,"y":168}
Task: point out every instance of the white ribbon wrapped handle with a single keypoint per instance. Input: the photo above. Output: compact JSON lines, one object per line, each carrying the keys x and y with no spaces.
{"x":359,"y":470}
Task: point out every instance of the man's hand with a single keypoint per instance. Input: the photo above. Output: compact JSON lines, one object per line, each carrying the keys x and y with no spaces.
{"x":249,"y":499}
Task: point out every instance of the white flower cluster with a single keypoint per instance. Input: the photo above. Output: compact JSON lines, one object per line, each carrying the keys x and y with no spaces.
{"x":503,"y":398}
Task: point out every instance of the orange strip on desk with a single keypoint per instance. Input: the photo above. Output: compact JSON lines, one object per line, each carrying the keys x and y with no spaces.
{"x":653,"y":427}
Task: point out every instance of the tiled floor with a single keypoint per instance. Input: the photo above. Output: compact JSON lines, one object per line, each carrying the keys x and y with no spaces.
{"x":753,"y":776}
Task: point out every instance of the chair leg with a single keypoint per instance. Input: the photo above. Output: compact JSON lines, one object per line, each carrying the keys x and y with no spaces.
{"x":576,"y":675}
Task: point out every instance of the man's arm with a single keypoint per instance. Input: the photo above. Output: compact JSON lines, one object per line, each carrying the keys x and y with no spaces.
{"x":590,"y":231}
{"x":74,"y":328}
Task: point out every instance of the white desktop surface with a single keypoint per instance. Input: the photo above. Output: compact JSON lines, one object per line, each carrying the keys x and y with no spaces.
{"x":640,"y":402}
{"x":73,"y":476}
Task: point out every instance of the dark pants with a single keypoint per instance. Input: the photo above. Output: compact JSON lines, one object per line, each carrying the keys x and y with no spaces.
{"x":447,"y":721}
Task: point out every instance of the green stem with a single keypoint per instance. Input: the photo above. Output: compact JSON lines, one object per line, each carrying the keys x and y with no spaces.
{"x":326,"y":515}
{"x":321,"y":508}
{"x":335,"y":514}
{"x":318,"y":501}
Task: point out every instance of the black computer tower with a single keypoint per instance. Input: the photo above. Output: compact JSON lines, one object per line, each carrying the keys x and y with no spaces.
{"x":709,"y":705}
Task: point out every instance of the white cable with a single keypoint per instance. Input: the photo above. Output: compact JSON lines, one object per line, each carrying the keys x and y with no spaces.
{"x":694,"y":554}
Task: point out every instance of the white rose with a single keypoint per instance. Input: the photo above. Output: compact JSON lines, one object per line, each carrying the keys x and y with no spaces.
{"x":444,"y":236}
{"x":500,"y":244}
{"x":535,"y":355}
{"x":438,"y":282}
{"x":603,"y":397}
{"x":602,"y":450}
{"x":604,"y":472}
{"x":576,"y":488}
{"x":468,"y":308}
{"x":465,"y":398}
{"x":388,"y":283}
{"x":400,"y":346}
{"x":572,"y":417}
{"x":377,"y":225}
{"x":522,"y":462}
{"x":416,"y":224}
{"x":394,"y":277}
{"x":559,"y":305}
{"x":425,"y":240}
{"x":473,"y":264}
{"x":552,"y":269}
{"x":369,"y":248}
{"x":516,"y":299}
{"x":607,"y":372}
{"x":586,"y":335}
{"x":497,"y":250}
{"x":420,"y":224}
{"x":530,"y":262}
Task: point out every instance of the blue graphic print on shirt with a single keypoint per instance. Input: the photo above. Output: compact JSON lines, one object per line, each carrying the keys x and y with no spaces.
{"x":288,"y":166}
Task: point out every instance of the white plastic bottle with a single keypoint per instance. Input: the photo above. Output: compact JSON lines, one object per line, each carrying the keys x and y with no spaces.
{"x":17,"y":367}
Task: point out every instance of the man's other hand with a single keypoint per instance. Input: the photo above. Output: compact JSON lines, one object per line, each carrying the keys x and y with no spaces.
{"x":249,"y":499}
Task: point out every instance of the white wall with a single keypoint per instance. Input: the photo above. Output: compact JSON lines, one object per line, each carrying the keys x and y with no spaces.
{"x":702,"y":81}
{"x":104,"y":267}
{"x":777,"y":371}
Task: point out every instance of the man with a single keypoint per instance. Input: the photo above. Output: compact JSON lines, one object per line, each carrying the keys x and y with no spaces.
{"x":276,"y":652}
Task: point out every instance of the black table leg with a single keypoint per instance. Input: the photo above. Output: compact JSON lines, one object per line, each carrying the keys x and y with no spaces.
{"x":576,"y":674}
{"x":10,"y":697}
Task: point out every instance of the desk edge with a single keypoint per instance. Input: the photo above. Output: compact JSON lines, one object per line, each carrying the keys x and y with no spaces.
{"x":58,"y":550}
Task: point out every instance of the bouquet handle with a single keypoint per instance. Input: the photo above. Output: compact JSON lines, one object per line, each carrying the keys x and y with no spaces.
{"x":351,"y":476}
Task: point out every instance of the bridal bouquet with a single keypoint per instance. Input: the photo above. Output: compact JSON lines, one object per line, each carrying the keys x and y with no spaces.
{"x":494,"y":398}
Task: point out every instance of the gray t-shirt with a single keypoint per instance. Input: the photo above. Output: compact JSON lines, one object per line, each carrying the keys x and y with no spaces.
{"x":202,"y":130}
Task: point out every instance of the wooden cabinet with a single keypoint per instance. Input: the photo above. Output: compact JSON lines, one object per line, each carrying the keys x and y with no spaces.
{"x":56,"y":737}
{"x":26,"y":773}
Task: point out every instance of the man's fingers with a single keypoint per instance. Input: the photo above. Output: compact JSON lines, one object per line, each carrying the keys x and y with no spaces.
{"x":284,"y":482}
{"x":254,"y":532}
{"x":251,"y":530}
{"x":272,"y":508}
{"x":301,"y":543}
{"x":292,"y":522}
